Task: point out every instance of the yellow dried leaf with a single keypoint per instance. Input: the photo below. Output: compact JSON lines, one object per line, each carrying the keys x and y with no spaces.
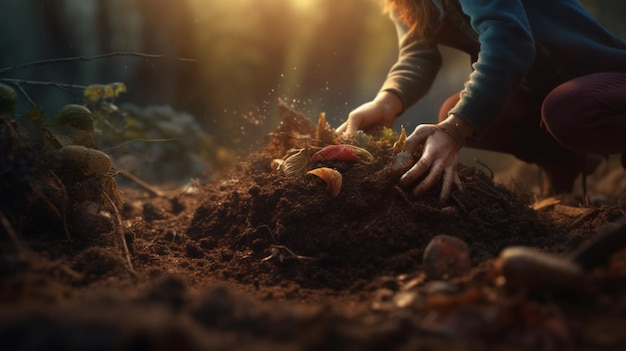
{"x":325,"y":133}
{"x":399,"y":144}
{"x":97,"y":92}
{"x":331,"y":177}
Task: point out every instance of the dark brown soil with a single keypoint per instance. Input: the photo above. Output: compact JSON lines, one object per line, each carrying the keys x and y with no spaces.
{"x":255,"y":260}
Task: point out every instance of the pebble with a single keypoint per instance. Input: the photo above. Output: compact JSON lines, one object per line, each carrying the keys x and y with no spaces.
{"x":439,"y":287}
{"x":532,"y":269}
{"x":446,"y":257}
{"x":89,"y":220}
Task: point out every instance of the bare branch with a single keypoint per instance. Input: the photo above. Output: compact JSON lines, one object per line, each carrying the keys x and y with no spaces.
{"x":23,"y":92}
{"x":63,"y":86}
{"x":84,"y":58}
{"x":119,"y":228}
{"x":6,"y":224}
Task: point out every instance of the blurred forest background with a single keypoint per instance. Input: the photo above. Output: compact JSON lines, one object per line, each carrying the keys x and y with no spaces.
{"x":321,"y":55}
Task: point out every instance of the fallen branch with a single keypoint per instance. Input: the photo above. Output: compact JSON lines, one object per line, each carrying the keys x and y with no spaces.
{"x":11,"y":233}
{"x":62,"y":86}
{"x":120,"y":229}
{"x":83,"y":59}
{"x":149,"y":188}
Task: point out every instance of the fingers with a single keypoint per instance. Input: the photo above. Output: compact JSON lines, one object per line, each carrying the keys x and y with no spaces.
{"x":378,"y":113}
{"x":412,"y":143}
{"x":342,"y":128}
{"x":351,"y":129}
{"x":450,"y":178}
{"x":457,"y":180}
{"x":433,"y":176}
{"x":418,"y":169}
{"x":438,"y":162}
{"x":418,"y":137}
{"x":350,"y":126}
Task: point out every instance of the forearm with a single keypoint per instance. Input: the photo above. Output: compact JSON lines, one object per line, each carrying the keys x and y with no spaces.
{"x":413,"y":74}
{"x":507,"y":52}
{"x":390,"y":102}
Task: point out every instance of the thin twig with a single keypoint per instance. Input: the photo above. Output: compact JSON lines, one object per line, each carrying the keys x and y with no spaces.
{"x":63,"y":86}
{"x":583,"y":217}
{"x":120,"y":230}
{"x":486,"y":190}
{"x":18,"y":84}
{"x":11,"y":233}
{"x":109,"y":150}
{"x":585,"y":193}
{"x":184,"y":189}
{"x":23,"y":92}
{"x":491,"y":174}
{"x":269,"y":230}
{"x":281,"y":252}
{"x":149,"y":188}
{"x":459,"y":204}
{"x":620,"y":203}
{"x":419,"y":205}
{"x":84,"y":58}
{"x":65,"y":203}
{"x":306,"y":139}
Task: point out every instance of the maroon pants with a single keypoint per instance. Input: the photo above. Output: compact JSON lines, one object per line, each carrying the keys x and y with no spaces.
{"x":586,"y":115}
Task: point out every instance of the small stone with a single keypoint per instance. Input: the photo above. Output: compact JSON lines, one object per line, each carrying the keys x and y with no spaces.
{"x":446,"y":257}
{"x":193,"y":250}
{"x":254,"y":190}
{"x":532,"y":269}
{"x":439,"y":287}
{"x":89,"y":220}
{"x":403,"y":299}
{"x":151,"y":212}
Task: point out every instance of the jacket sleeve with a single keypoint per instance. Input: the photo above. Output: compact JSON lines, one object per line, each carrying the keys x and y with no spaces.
{"x":507,"y":52}
{"x":413,"y":74}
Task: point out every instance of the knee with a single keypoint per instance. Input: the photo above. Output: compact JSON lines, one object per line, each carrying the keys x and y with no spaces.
{"x":587,"y":114}
{"x":563,"y":113}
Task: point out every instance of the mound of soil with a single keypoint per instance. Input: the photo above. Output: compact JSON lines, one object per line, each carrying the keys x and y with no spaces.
{"x":255,"y":260}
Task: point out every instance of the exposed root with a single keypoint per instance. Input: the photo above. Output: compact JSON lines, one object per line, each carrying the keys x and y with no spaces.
{"x":11,"y":233}
{"x":119,"y":228}
{"x":282,"y":252}
{"x":415,"y":204}
{"x":65,"y":202}
{"x":149,"y":188}
{"x":491,"y":174}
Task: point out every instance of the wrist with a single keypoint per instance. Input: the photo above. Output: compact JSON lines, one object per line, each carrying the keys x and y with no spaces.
{"x":464,"y":128}
{"x":390,"y":102}
{"x":456,"y":128}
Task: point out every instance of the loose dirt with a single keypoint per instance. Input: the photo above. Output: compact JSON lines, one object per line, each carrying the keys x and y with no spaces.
{"x":256,"y":260}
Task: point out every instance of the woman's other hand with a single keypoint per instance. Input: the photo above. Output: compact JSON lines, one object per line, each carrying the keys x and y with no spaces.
{"x":380,"y":112}
{"x":439,"y":159}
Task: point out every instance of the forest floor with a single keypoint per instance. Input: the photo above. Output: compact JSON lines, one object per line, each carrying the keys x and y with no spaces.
{"x":256,"y":260}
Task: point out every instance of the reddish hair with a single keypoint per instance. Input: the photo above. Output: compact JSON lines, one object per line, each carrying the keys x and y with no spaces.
{"x":417,"y":14}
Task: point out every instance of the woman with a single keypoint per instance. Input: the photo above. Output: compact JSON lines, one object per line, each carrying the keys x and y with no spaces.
{"x":548,"y":85}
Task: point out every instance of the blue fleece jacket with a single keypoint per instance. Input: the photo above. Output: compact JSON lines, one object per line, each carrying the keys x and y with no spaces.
{"x":514,"y":44}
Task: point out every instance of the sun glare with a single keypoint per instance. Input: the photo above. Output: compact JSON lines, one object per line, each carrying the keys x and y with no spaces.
{"x":303,"y":5}
{"x":298,"y":5}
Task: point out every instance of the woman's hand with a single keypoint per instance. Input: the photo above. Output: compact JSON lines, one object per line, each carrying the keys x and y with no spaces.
{"x":439,"y":159}
{"x":380,"y":112}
